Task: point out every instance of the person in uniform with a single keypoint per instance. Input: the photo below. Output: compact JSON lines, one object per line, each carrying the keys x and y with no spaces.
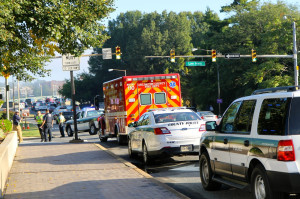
{"x":39,"y":120}
{"x":61,"y":119}
{"x":16,"y":125}
{"x":47,"y":124}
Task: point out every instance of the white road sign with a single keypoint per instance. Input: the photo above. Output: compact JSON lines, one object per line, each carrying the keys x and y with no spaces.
{"x":70,"y":62}
{"x":106,"y":53}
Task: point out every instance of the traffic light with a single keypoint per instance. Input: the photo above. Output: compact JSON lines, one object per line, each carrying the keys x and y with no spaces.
{"x":118,"y":52}
{"x":253,"y":53}
{"x":172,"y":55}
{"x":213,"y":55}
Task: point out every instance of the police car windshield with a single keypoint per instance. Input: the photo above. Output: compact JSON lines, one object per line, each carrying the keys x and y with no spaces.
{"x":175,"y":117}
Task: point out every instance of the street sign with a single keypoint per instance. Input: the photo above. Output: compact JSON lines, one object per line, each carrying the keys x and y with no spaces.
{"x":25,"y":112}
{"x":70,"y":62}
{"x":219,"y":101}
{"x":195,"y":63}
{"x":232,"y":55}
{"x":106,"y":53}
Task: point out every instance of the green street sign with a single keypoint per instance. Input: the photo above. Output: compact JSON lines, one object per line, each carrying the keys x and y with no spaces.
{"x":195,"y":63}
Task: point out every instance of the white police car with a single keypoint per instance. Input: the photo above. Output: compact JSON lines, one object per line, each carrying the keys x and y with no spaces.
{"x":166,"y":131}
{"x":257,"y":143}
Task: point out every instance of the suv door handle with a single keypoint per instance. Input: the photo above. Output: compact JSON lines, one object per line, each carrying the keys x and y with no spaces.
{"x":225,"y":140}
{"x":246,"y":143}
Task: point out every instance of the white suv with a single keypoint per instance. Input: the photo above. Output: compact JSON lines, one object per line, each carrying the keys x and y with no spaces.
{"x":257,"y":143}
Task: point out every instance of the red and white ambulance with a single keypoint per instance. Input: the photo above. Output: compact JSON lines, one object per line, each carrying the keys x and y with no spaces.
{"x":127,"y":98}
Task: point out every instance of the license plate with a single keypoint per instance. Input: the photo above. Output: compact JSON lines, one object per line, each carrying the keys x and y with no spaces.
{"x":186,"y":148}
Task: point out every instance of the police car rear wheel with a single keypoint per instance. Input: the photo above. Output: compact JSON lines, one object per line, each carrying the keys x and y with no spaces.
{"x":206,"y":174}
{"x":146,"y":158}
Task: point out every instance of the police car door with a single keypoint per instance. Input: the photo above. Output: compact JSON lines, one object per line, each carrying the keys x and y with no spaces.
{"x":221,"y":148}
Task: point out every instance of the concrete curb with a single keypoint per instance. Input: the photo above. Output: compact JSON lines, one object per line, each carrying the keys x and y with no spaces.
{"x":143,"y":173}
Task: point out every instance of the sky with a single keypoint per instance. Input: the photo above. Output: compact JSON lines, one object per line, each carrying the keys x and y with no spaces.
{"x":144,"y":6}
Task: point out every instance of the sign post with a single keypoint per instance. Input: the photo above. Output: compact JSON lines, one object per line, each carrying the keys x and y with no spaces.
{"x":71,"y":63}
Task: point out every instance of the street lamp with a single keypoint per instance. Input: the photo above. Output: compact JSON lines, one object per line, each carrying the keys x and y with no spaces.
{"x":111,"y":69}
{"x":296,"y":74}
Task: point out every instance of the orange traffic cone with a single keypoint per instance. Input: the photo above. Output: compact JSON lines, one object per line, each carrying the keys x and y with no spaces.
{"x":27,"y":126}
{"x":23,"y":127}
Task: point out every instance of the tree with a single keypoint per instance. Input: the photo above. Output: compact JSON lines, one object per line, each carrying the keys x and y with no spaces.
{"x":33,"y":30}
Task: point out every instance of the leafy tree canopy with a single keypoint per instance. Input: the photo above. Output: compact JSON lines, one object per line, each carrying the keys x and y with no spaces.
{"x":31,"y":31}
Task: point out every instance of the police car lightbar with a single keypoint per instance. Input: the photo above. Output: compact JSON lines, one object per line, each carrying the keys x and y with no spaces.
{"x":276,"y":89}
{"x":166,"y":109}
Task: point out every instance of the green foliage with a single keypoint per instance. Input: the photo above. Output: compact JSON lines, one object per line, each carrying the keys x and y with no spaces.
{"x":5,"y":125}
{"x":3,"y":114}
{"x":32,"y":31}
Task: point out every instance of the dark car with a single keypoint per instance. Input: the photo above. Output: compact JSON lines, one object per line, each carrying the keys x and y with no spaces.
{"x":68,"y":115}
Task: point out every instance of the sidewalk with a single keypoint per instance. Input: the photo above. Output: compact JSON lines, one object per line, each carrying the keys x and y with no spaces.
{"x":64,"y":170}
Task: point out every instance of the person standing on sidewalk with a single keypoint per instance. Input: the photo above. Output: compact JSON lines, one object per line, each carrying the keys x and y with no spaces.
{"x":16,"y":125}
{"x":39,"y":120}
{"x":61,"y":120}
{"x":47,"y":124}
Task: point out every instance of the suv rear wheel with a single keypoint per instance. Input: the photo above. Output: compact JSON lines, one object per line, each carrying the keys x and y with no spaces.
{"x":260,"y":186}
{"x":206,"y":173}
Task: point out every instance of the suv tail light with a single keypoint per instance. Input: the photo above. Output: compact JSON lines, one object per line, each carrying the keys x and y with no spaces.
{"x":161,"y":131}
{"x":202,"y":128}
{"x":285,"y":150}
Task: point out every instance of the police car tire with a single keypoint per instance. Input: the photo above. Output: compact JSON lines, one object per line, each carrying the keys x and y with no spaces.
{"x":206,"y":174}
{"x":145,"y":155}
{"x":260,"y":183}
{"x":69,"y":131}
{"x":93,"y":130}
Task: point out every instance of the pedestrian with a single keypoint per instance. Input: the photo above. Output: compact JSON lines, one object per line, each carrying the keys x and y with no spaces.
{"x":16,"y":125}
{"x":47,"y":124}
{"x":39,"y":120}
{"x":61,"y":120}
{"x":211,"y":108}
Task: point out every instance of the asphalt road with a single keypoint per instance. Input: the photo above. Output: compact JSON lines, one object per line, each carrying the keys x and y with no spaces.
{"x":180,"y":173}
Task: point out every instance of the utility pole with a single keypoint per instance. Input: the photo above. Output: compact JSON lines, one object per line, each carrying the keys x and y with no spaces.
{"x":296,"y":67}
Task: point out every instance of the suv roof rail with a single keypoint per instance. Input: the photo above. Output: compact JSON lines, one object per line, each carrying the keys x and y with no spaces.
{"x":167,"y":108}
{"x":276,"y":89}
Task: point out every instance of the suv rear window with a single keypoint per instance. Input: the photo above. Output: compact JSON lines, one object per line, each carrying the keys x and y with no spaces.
{"x":273,"y":116}
{"x":294,"y":124}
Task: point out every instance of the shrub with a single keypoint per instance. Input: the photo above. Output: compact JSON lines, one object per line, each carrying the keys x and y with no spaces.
{"x":3,"y":115}
{"x":5,"y":125}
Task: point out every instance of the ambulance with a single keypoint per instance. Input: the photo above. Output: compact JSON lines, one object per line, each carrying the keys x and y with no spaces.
{"x":128,"y":97}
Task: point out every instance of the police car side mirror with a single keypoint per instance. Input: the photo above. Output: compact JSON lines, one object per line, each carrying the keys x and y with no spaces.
{"x":211,"y":126}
